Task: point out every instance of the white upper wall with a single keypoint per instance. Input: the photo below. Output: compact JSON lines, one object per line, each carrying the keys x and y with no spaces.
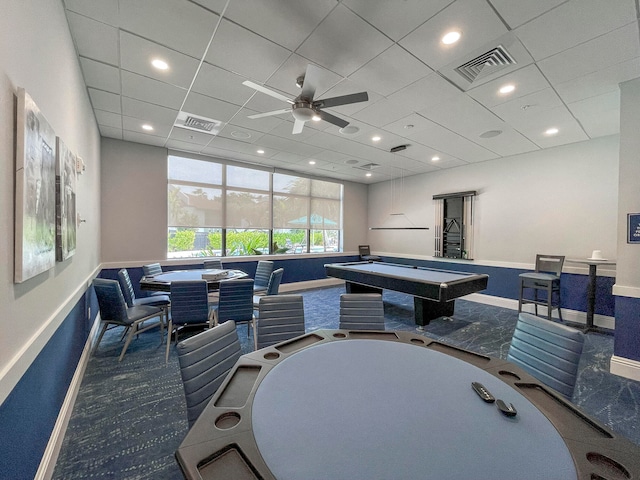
{"x":37,"y":53}
{"x":560,"y":201}
{"x":134,"y":204}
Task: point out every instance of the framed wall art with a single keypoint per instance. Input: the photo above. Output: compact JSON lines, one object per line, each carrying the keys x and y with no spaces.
{"x":65,"y":201}
{"x":35,"y":202}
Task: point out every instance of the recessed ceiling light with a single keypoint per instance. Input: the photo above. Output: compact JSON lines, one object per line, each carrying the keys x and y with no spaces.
{"x":376,"y":138}
{"x":368,"y":174}
{"x":260,"y":151}
{"x":451,"y":37}
{"x":435,"y":158}
{"x":316,"y":118}
{"x":507,"y":88}
{"x":160,"y":64}
{"x":147,"y":127}
{"x":312,"y":162}
{"x":551,"y":131}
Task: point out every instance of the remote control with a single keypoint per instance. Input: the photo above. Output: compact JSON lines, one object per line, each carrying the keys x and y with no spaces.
{"x":482,"y":392}
{"x":509,"y":411}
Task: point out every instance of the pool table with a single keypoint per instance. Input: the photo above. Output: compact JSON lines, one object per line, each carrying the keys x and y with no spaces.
{"x":434,"y":291}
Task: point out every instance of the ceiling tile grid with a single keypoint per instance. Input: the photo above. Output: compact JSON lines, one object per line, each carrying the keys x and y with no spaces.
{"x":563,"y":60}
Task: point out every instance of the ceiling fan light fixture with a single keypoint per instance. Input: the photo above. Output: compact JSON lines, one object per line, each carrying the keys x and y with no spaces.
{"x":303,"y":112}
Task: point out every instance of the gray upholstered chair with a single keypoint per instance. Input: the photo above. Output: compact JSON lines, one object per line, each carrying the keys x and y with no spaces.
{"x":205,"y":360}
{"x":162,"y":301}
{"x":547,"y":350}
{"x":546,"y":277}
{"x":214,"y":264}
{"x":189,"y":306}
{"x":235,"y":303}
{"x":263,"y":272}
{"x":280,"y":317}
{"x":115,"y":313}
{"x":361,"y":311}
{"x":273,"y":287}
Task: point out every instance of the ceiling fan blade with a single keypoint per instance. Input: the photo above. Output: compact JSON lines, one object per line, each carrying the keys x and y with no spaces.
{"x":265,"y":90}
{"x":327,"y":117}
{"x":342,"y":100}
{"x":310,"y":82}
{"x":268,"y":114}
{"x":297,"y":126}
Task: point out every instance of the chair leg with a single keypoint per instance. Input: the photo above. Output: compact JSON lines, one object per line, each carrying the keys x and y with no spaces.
{"x":559,"y":309}
{"x":132,"y":331}
{"x":104,"y":329}
{"x":255,"y":334}
{"x":521,"y":294}
{"x":535,"y":299}
{"x":169,"y":331}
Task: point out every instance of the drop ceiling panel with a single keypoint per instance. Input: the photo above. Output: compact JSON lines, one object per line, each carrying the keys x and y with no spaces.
{"x":346,"y":87}
{"x":151,"y":91}
{"x":209,"y":107}
{"x":426,"y":92}
{"x":111,"y":132}
{"x":509,"y":142}
{"x":517,"y":111}
{"x":243,"y":147}
{"x":561,"y":118}
{"x":138,"y":53}
{"x":100,"y":75}
{"x":105,"y":11}
{"x":182,"y":146}
{"x":177,"y":24}
{"x":526,"y":80}
{"x":94,"y":39}
{"x":135,"y":125}
{"x":107,"y":101}
{"x":108,"y":119}
{"x":381,"y":73}
{"x":221,"y":84}
{"x":284,"y":79}
{"x":464,"y":116}
{"x":572,"y":23}
{"x":245,"y":135}
{"x":343,"y":42}
{"x":286,"y":23}
{"x":251,"y":56}
{"x":396,"y":19}
{"x":143,"y":138}
{"x":382,"y":112}
{"x":598,"y":115}
{"x":264,"y":124}
{"x":149,"y":112}
{"x":474,"y":18}
{"x":517,"y":12}
{"x":285,"y":145}
{"x":602,"y":52}
{"x":190,"y":136}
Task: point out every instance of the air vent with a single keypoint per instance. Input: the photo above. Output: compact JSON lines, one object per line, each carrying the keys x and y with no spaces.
{"x":368,"y":166}
{"x":197,"y":123}
{"x":486,"y":64}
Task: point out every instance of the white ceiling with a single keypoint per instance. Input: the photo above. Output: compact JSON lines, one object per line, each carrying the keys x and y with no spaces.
{"x":570,"y":57}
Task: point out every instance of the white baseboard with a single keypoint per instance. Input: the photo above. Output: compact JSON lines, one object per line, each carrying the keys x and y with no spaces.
{"x":625,"y":367}
{"x":50,"y":456}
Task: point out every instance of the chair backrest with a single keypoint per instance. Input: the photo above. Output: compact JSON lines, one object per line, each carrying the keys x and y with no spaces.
{"x":280,"y":317}
{"x":126,"y":286}
{"x":151,"y":269}
{"x":547,"y":350}
{"x":189,"y":302}
{"x":364,"y":250}
{"x":273,"y":287}
{"x":213,"y":264}
{"x":361,"y":311}
{"x":235,"y":300}
{"x":263,"y":272}
{"x":550,"y":264}
{"x":113,"y":307}
{"x":205,"y":360}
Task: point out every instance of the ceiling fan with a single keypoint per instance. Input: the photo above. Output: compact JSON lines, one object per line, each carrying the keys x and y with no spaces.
{"x":304,"y":107}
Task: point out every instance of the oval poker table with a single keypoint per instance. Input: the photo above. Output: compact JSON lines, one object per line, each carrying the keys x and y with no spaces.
{"x":337,"y":404}
{"x":162,"y":282}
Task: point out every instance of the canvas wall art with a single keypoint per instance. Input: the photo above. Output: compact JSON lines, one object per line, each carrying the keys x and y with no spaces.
{"x":65,"y":201}
{"x":35,"y":203}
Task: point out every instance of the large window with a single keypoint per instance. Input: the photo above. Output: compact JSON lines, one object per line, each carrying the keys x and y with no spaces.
{"x":217,"y":209}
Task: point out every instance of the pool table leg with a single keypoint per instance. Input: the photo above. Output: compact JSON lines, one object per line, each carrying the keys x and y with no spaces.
{"x":427,"y":310}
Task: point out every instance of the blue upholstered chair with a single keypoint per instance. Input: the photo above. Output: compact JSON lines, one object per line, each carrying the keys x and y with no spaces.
{"x":273,"y":287}
{"x":214,"y":264}
{"x":547,"y":350}
{"x":235,"y":303}
{"x":205,"y":361}
{"x":189,"y":306}
{"x":162,"y":301}
{"x":151,"y":269}
{"x":280,"y":317}
{"x":263,"y":272}
{"x":115,"y":313}
{"x":361,"y":311}
{"x":546,"y":277}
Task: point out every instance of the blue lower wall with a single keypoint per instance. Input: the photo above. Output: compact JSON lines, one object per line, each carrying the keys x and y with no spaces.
{"x":29,"y":413}
{"x":627,"y":343}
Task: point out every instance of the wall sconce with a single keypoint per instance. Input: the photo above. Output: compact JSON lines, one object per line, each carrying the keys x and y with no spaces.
{"x":79,"y":219}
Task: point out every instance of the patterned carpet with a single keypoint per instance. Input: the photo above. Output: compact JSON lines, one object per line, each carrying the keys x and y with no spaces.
{"x":130,"y":417}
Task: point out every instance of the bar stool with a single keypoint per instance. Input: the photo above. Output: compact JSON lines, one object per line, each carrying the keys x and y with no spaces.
{"x":545,"y":277}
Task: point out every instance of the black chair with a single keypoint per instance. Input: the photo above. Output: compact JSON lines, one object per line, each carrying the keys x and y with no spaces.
{"x":546,"y":277}
{"x":162,"y":301}
{"x":115,"y":313}
{"x":361,"y":311}
{"x":280,"y":317}
{"x":365,"y":254}
{"x":235,"y":303}
{"x":263,"y":273}
{"x":547,"y":350}
{"x":273,"y":287}
{"x":205,"y":361}
{"x":214,"y":264}
{"x":189,"y":306}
